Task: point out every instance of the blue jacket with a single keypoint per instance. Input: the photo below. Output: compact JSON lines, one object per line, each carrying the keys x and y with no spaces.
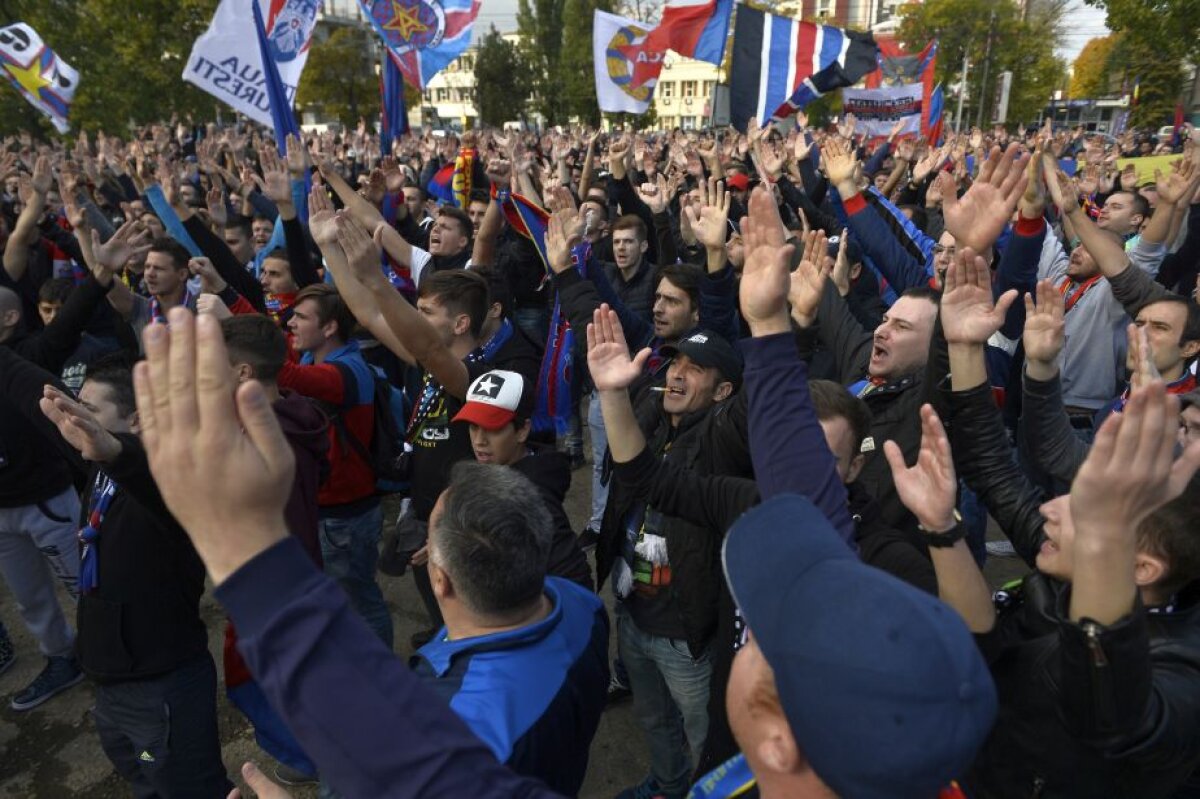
{"x":534,"y":695}
{"x":372,"y":726}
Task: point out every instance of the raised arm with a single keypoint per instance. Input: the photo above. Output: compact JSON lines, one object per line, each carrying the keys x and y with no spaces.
{"x":24,"y":233}
{"x":613,"y":371}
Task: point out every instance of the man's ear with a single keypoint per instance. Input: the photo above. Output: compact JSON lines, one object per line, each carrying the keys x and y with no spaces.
{"x":523,"y":431}
{"x":645,"y":246}
{"x":1148,"y":569}
{"x":723,"y":390}
{"x":135,"y":423}
{"x":856,"y":466}
{"x":462,"y":324}
{"x":1189,"y":348}
{"x":439,"y":580}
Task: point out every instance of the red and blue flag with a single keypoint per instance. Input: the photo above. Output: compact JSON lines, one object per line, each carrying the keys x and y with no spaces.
{"x":424,"y":36}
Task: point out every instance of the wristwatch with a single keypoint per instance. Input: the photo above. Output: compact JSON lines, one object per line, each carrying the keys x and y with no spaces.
{"x":947,"y":539}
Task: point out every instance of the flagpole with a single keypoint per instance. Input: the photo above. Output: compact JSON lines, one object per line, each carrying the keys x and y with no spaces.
{"x":962,"y":89}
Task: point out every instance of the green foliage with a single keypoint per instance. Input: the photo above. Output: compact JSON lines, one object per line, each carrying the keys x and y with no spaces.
{"x":1022,"y":44}
{"x":1157,"y":38}
{"x":578,"y":83}
{"x":129,"y":56}
{"x":540,"y":23}
{"x":501,"y":81}
{"x":340,"y":78}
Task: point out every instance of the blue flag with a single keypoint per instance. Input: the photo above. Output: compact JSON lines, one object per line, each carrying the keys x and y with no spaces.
{"x":281,"y":109}
{"x":395,"y":114}
{"x":424,"y":36}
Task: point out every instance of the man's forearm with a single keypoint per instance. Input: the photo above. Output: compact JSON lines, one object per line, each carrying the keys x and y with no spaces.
{"x":1103,"y":587}
{"x":625,"y":439}
{"x":1108,"y":254}
{"x":962,"y":586}
{"x":968,"y":367}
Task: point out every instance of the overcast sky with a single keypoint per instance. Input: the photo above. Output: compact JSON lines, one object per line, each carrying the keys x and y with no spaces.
{"x":1084,"y":22}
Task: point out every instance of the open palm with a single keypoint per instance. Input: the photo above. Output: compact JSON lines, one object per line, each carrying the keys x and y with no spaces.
{"x":969,"y":315}
{"x":609,"y":363}
{"x":977,"y":218}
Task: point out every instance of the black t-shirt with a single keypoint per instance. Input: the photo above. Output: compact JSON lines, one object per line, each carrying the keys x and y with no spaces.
{"x":441,"y":443}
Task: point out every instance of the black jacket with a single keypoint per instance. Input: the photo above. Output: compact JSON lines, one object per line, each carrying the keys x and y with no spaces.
{"x":895,"y":407}
{"x":143,"y":618}
{"x":550,"y":471}
{"x":1113,"y":713}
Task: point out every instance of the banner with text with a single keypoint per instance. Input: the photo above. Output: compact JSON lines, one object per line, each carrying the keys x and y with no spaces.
{"x":225,"y":59}
{"x":878,"y":110}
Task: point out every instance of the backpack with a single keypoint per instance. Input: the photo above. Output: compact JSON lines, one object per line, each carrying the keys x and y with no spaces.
{"x":389,"y":454}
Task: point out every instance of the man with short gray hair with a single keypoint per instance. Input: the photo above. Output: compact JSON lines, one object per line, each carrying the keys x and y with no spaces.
{"x":522,"y":658}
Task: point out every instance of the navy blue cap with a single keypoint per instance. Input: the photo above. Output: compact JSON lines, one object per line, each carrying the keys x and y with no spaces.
{"x":882,"y":684}
{"x":854,"y":253}
{"x":709,"y":349}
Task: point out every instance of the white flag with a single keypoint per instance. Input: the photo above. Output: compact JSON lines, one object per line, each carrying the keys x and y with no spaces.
{"x":878,"y":110}
{"x":625,"y":73}
{"x":42,"y":78}
{"x":225,"y":59}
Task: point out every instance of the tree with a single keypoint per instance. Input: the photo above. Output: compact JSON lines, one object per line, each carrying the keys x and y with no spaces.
{"x":340,"y":78}
{"x":996,"y":37}
{"x":540,"y":24}
{"x":501,"y":81}
{"x":129,"y":63}
{"x":1091,"y":73}
{"x":1157,"y":39}
{"x":578,"y":66}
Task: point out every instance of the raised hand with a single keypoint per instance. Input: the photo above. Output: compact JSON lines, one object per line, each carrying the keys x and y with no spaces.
{"x":357,"y":205}
{"x":321,"y":222}
{"x":212,"y":304}
{"x":765,"y":282}
{"x":1033,"y":199}
{"x":840,"y":164}
{"x":654,"y":195}
{"x":927,"y":488}
{"x":969,"y":315}
{"x":218,"y":456}
{"x":42,"y":177}
{"x":978,"y":217}
{"x":217,"y":211}
{"x":1044,"y":337}
{"x":499,"y":172}
{"x":130,"y":239}
{"x":841,"y":265}
{"x":1178,"y":183}
{"x":79,"y":427}
{"x":710,"y":221}
{"x":609,"y":363}
{"x":275,"y":182}
{"x":807,"y":282}
{"x":1059,"y":185}
{"x":210,"y":280}
{"x":298,"y":161}
{"x":1143,"y":371}
{"x":564,"y":231}
{"x":362,"y":253}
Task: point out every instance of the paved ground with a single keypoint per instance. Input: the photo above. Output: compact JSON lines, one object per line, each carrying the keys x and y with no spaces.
{"x":53,"y":752}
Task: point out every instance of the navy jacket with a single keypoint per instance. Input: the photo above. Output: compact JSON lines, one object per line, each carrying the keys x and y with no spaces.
{"x":534,"y":695}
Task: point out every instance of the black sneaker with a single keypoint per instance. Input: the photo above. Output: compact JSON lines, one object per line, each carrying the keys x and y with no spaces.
{"x":59,"y":675}
{"x":588,"y":539}
{"x":617,"y":691}
{"x":8,"y":655}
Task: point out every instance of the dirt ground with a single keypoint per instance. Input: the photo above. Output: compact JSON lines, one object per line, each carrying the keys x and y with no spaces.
{"x":53,"y":752}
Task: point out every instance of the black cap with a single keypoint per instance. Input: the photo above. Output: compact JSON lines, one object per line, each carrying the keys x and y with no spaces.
{"x":853,"y":252}
{"x":709,"y":349}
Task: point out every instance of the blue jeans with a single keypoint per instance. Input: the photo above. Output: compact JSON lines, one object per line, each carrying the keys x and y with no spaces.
{"x":670,"y":700}
{"x":599,"y":447}
{"x":350,"y":549}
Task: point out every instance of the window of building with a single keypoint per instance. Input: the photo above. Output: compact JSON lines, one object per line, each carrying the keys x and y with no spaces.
{"x":688,"y":123}
{"x":826,"y":8}
{"x":708,"y":88}
{"x":443,"y":95}
{"x":666,"y":89}
{"x":689,"y":88}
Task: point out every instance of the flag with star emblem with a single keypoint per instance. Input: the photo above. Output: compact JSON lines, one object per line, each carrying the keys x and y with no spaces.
{"x":626,"y":70}
{"x":42,"y":78}
{"x":423,"y":36}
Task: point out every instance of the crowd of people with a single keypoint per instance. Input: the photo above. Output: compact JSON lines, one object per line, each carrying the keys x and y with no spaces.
{"x":812,"y":367}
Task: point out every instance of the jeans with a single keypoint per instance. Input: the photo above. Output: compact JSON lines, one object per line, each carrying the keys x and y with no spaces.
{"x":599,"y":447}
{"x":37,"y":545}
{"x":350,"y":548}
{"x":670,"y":700}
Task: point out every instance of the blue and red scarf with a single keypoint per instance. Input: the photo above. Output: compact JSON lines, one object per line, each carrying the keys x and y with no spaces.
{"x":103,"y":491}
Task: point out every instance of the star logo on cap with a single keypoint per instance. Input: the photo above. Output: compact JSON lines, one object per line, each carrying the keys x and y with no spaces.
{"x":489,"y":387}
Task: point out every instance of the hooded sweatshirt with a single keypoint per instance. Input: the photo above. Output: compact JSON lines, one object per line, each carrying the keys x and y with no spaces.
{"x":550,"y":471}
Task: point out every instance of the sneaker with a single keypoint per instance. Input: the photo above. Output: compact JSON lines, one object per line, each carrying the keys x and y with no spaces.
{"x":59,"y":675}
{"x":8,"y":655}
{"x":648,"y":789}
{"x":588,"y":539}
{"x":1000,"y":549}
{"x":617,"y":691}
{"x":286,"y":775}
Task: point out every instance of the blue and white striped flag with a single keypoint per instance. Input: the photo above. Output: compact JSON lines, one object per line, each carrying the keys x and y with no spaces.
{"x":781,"y":64}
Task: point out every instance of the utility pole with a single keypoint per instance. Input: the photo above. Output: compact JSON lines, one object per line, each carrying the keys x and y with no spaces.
{"x":962,"y":90}
{"x":987,"y":63}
